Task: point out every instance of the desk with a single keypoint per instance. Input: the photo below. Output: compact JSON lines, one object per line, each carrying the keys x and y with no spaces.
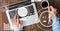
{"x":3,"y":17}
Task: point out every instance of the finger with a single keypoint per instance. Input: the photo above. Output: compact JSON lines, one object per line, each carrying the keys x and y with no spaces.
{"x":14,"y":16}
{"x":49,"y":9}
{"x":13,"y":19}
{"x":17,"y":20}
{"x":52,"y":8}
{"x":21,"y":22}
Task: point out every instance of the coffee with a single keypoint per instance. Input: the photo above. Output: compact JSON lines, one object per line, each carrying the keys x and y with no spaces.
{"x":44,"y":4}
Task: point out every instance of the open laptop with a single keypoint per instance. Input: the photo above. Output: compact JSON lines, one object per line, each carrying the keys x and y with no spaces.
{"x":25,"y":10}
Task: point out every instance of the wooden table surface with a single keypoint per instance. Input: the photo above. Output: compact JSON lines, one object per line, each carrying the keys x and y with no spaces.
{"x":3,"y":17}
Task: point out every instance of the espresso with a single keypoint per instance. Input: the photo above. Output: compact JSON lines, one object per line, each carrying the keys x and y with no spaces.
{"x":44,"y":4}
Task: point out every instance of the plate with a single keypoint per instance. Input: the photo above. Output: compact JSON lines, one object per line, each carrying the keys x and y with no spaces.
{"x":22,"y":12}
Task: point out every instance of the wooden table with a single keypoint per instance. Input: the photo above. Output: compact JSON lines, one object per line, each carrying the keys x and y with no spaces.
{"x":3,"y":17}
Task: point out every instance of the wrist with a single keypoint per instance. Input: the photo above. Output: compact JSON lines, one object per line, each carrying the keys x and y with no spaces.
{"x":19,"y":28}
{"x":53,"y":15}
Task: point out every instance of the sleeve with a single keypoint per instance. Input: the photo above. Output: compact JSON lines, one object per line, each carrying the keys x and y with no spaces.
{"x":55,"y":24}
{"x":17,"y":30}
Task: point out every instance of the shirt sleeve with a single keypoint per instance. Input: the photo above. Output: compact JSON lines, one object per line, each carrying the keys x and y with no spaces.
{"x":17,"y":30}
{"x":55,"y":24}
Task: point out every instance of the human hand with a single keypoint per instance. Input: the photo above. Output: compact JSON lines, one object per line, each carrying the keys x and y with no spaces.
{"x":16,"y":23}
{"x":52,"y":11}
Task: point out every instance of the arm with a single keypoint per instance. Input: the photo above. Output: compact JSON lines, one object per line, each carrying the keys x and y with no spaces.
{"x":55,"y":20}
{"x":17,"y":24}
{"x":56,"y":24}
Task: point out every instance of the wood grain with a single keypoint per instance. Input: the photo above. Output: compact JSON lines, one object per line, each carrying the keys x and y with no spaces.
{"x":34,"y":27}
